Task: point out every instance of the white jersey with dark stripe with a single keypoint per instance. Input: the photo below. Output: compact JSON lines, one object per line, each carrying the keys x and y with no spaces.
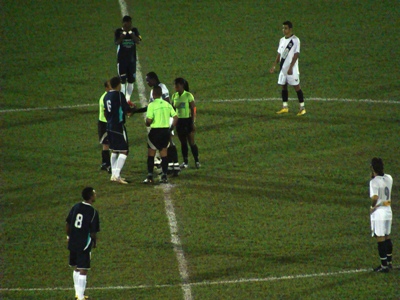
{"x":287,"y":55}
{"x":164,"y":90}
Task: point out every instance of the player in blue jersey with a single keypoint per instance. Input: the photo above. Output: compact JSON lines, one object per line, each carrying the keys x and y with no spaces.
{"x":83,"y":223}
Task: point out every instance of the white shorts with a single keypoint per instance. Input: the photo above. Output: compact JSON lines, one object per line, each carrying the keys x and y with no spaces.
{"x":381,"y":221}
{"x":288,"y":79}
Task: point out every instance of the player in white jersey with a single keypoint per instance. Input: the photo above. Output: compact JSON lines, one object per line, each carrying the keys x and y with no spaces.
{"x":380,"y":190}
{"x":173,"y":164}
{"x":288,"y":59}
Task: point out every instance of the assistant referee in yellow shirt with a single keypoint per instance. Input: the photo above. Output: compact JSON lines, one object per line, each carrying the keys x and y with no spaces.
{"x":158,"y":116}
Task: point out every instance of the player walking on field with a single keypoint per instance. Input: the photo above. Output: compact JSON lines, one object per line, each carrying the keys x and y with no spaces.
{"x":288,"y":59}
{"x":380,"y":190}
{"x":126,"y":38}
{"x":83,"y":223}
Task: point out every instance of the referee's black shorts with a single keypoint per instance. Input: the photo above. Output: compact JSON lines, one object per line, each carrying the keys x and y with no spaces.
{"x":102,"y":131}
{"x":184,"y":126}
{"x":158,"y":138}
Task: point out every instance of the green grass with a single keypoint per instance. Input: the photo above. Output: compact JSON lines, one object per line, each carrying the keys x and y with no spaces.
{"x":276,"y":195}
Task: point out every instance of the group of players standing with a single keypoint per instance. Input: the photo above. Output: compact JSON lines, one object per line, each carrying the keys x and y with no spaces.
{"x":163,"y":115}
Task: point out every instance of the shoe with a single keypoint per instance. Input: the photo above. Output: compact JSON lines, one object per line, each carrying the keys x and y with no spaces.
{"x":84,"y":297}
{"x":184,"y":166}
{"x":148,"y":180}
{"x":284,"y":110}
{"x":198,"y":165}
{"x":113,"y":178}
{"x":381,"y":269}
{"x":104,"y":167}
{"x":109,"y":170}
{"x":301,"y":112}
{"x":164,"y":179}
{"x":118,"y":179}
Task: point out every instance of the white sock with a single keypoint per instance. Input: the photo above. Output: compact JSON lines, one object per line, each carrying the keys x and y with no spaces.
{"x":75,"y":276}
{"x":114,"y":158}
{"x":123,"y":88}
{"x":129,"y":91}
{"x":81,"y":285}
{"x":120,"y":164}
{"x":301,"y":105}
{"x":285,"y":104}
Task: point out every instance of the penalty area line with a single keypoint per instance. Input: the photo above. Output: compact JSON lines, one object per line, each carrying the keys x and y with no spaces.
{"x":200,"y":283}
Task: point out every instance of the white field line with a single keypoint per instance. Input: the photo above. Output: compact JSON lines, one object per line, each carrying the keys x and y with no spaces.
{"x":200,"y":283}
{"x":169,"y":206}
{"x":143,"y":101}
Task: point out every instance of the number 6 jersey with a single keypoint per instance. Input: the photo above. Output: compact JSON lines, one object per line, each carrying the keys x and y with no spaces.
{"x":83,"y":219}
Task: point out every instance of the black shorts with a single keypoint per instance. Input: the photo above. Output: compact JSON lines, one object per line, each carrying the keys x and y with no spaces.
{"x":127,"y":69}
{"x":102,"y":131}
{"x":80,"y":260}
{"x":184,"y":126}
{"x":158,"y":138}
{"x":118,"y":139}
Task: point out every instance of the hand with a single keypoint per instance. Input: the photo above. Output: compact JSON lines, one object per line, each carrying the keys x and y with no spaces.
{"x":131,"y":105}
{"x":272,"y":70}
{"x":372,"y":209}
{"x":290,"y":71}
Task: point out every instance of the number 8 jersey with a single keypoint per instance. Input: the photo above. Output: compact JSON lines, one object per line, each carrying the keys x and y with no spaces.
{"x":83,"y":219}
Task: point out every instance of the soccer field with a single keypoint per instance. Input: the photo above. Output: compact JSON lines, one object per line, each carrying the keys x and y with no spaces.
{"x":280,"y":207}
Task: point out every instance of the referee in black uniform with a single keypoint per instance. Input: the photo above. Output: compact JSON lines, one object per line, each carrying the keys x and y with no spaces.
{"x":158,"y":117}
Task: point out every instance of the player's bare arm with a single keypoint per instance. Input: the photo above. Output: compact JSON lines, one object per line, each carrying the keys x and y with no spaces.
{"x":277,"y":59}
{"x":93,"y":236}
{"x":295,"y":58}
{"x":374,"y":200}
{"x":148,"y":122}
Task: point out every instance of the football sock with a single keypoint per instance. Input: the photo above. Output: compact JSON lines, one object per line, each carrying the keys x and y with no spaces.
{"x":195,"y":152}
{"x":120,"y":164}
{"x":382,"y":253}
{"x":172,"y":153}
{"x":389,"y":250}
{"x":114,"y":158}
{"x":123,"y":88}
{"x":164,"y":164}
{"x":129,"y":90}
{"x":285,"y":97}
{"x":150,"y":165}
{"x":185,"y":151}
{"x":81,"y":285}
{"x":300,"y":96}
{"x":105,"y":155}
{"x":75,"y":276}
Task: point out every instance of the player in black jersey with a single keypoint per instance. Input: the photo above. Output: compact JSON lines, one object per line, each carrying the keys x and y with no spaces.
{"x":83,"y":223}
{"x":126,"y":38}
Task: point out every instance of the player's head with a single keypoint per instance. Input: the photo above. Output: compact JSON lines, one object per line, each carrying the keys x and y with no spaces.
{"x":127,"y":22}
{"x":115,"y":83}
{"x":181,"y":85}
{"x":377,"y":165}
{"x":157,"y":92}
{"x":152,"y":79}
{"x":287,"y":28}
{"x":88,"y":193}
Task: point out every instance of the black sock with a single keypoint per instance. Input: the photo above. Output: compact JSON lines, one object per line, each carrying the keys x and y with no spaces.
{"x":172,"y":153}
{"x":285,"y":95}
{"x":300,"y":96}
{"x":164,"y":165}
{"x":382,"y":253}
{"x":105,"y":157}
{"x":195,"y":152}
{"x":185,"y":151}
{"x":389,"y":250}
{"x":150,"y":165}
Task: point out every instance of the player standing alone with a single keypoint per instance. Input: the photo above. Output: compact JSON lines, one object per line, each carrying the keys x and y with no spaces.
{"x":126,"y":39}
{"x":288,"y":58}
{"x":380,"y":190}
{"x":83,"y":223}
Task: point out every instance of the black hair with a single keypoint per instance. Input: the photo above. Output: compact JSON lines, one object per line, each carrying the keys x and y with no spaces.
{"x":157,"y":92}
{"x":115,"y":82}
{"x":377,"y":165}
{"x":87,"y":193}
{"x":288,"y":23}
{"x":183,"y":82}
{"x":126,"y":19}
{"x":106,"y":83}
{"x":153,"y":75}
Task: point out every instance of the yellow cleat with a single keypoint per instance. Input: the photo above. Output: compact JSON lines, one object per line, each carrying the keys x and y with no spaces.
{"x":301,"y":112}
{"x":284,"y":110}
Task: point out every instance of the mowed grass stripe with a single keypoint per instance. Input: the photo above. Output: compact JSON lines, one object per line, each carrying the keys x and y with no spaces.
{"x":216,"y":101}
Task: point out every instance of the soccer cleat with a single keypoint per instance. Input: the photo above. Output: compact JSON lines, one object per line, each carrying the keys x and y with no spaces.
{"x":381,"y":269}
{"x":109,"y":170}
{"x":184,"y":166}
{"x":84,"y":297}
{"x":301,"y":112}
{"x":148,"y":180}
{"x":164,"y":179}
{"x":104,"y":167}
{"x":284,"y":110}
{"x":198,"y":165}
{"x":113,"y":178}
{"x":118,"y":179}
